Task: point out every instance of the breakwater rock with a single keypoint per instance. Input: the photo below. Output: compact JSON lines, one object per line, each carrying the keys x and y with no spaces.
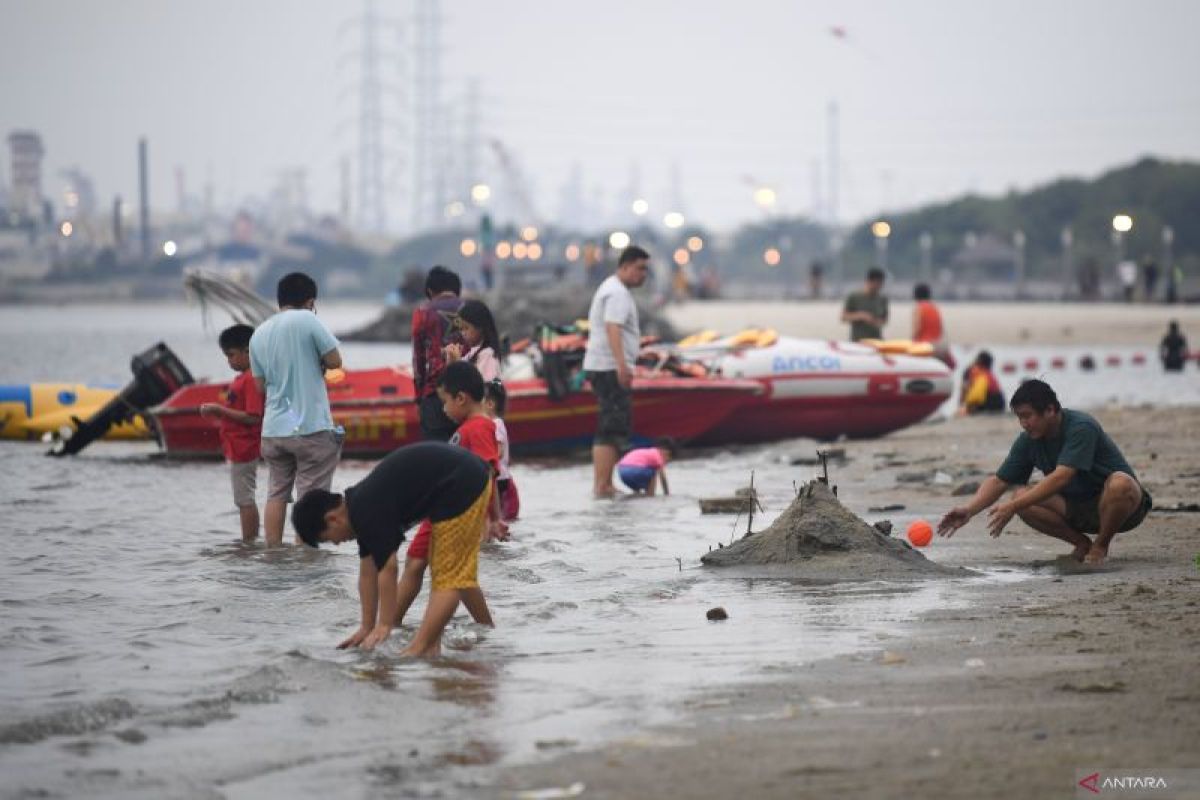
{"x":516,"y":315}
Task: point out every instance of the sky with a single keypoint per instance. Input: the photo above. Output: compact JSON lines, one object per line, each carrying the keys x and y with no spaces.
{"x":691,"y":105}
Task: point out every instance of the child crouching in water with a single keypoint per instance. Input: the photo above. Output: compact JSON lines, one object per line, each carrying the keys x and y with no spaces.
{"x":495,"y":400}
{"x":639,"y":468}
{"x":240,"y":420}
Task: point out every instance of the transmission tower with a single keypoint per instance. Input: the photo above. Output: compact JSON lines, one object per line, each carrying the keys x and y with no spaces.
{"x":428,"y":180}
{"x":371,"y":214}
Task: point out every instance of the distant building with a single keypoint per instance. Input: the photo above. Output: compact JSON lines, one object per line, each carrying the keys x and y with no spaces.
{"x":25,"y":194}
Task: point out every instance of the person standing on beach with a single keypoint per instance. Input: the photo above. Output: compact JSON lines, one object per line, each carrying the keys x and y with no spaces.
{"x":614,"y":339}
{"x":289,"y":354}
{"x":433,"y":330}
{"x":1088,"y":488}
{"x":867,"y":309}
{"x":927,"y":324}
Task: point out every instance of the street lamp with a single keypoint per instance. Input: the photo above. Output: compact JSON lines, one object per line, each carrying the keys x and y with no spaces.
{"x":1019,"y":262}
{"x":640,"y":207}
{"x":1121,"y":225}
{"x":673,"y":219}
{"x":480,"y":193}
{"x":1067,"y":237}
{"x":881,"y":231}
{"x":619,"y":240}
{"x":764,"y":197}
{"x":926,"y":242}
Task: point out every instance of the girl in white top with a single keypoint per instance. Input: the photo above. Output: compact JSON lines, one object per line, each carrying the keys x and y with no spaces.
{"x":494,"y":401}
{"x":482,"y":343}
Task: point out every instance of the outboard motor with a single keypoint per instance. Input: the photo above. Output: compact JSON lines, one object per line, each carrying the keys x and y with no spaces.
{"x":157,"y":374}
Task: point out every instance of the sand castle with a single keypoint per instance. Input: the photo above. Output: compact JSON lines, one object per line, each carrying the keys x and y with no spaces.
{"x":817,"y":538}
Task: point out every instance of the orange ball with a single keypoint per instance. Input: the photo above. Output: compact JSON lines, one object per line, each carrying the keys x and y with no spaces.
{"x":920,"y":533}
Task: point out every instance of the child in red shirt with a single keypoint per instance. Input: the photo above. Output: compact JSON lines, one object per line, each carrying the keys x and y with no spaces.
{"x":240,"y":421}
{"x":461,"y":390}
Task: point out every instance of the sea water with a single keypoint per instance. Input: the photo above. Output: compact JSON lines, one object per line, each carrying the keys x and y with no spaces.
{"x":145,"y":652}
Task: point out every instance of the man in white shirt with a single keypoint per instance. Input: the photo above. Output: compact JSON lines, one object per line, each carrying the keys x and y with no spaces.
{"x":614,"y":338}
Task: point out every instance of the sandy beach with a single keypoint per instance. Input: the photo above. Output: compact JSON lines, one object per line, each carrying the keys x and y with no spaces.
{"x":984,"y":324}
{"x":1037,"y":681}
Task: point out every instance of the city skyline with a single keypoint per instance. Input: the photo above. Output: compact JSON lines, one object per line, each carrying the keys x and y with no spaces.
{"x":700,"y":107}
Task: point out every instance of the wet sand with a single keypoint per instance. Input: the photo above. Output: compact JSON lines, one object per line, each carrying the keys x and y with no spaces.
{"x":966,"y":323}
{"x":1040,"y":679}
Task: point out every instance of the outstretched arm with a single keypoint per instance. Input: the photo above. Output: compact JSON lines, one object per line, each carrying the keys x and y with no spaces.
{"x":385,"y":584}
{"x":1049,"y":486}
{"x":368,"y":596}
{"x":988,"y":492}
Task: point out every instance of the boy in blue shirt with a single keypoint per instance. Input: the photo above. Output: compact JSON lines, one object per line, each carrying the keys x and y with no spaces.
{"x":289,"y":354}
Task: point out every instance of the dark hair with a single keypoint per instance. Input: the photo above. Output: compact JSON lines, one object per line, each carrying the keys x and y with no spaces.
{"x":295,"y":289}
{"x":462,"y":376}
{"x":1037,"y":394}
{"x":308,"y":515}
{"x":875,"y":274}
{"x":668,"y":444}
{"x":494,"y":390}
{"x":631,"y":254}
{"x":478,"y":314}
{"x":984,"y":359}
{"x":235,"y":337}
{"x":921,"y":292}
{"x":441,"y":280}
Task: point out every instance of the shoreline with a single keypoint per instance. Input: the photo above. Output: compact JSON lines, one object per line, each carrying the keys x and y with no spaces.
{"x":1010,"y":693}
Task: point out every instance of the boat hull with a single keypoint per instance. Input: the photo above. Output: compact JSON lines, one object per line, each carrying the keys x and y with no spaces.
{"x":33,"y":411}
{"x":827,"y":390}
{"x":378,"y":412}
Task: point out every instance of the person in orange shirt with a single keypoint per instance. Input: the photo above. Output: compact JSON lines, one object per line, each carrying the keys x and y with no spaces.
{"x":927,"y":325}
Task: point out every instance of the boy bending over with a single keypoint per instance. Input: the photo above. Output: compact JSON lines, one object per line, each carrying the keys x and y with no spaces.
{"x":447,"y":485}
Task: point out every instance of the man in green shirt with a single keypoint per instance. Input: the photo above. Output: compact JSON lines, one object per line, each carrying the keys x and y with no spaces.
{"x":867,"y":309}
{"x":1088,"y":488}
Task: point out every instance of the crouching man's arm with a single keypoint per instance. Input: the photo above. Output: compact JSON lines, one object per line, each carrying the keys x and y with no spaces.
{"x":385,"y":590}
{"x":988,"y":492}
{"x":368,"y":595}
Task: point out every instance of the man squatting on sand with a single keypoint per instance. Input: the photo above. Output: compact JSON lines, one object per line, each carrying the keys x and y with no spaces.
{"x":449,"y":486}
{"x":1088,"y":488}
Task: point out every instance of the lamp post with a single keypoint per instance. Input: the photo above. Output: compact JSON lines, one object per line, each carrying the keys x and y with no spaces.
{"x":1121,"y":225}
{"x":1067,"y":237}
{"x":1019,"y":262}
{"x":926,"y":242}
{"x":1168,"y":238}
{"x":881,"y":231}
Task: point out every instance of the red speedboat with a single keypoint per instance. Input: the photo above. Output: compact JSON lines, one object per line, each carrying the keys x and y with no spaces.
{"x":377,"y":409}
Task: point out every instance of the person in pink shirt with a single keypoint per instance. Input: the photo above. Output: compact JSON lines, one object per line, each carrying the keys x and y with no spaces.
{"x":639,"y":468}
{"x":481,"y":342}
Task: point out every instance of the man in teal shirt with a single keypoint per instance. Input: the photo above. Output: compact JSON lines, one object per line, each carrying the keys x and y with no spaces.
{"x":289,"y":354}
{"x":1088,"y":488}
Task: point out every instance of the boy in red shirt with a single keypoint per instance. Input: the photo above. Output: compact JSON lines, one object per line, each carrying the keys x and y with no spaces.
{"x":460,"y":388}
{"x":240,"y":420}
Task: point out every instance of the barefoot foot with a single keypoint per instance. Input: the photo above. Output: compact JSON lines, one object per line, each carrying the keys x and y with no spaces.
{"x":1096,"y":555}
{"x":1081,"y":551}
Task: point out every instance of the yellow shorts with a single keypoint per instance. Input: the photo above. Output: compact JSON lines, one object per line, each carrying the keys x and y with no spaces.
{"x":454,"y":545}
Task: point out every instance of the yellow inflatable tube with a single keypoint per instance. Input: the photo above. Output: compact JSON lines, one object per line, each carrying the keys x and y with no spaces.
{"x":30,"y":411}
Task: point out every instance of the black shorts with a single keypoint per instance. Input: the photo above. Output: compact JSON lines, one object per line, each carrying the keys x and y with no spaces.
{"x":614,"y":418}
{"x":435,"y":425}
{"x":1084,"y":514}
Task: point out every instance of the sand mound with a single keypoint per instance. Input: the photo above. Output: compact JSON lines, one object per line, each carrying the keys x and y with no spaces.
{"x":817,"y":538}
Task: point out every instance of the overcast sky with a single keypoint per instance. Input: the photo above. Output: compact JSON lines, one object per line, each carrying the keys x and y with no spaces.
{"x":936,"y":98}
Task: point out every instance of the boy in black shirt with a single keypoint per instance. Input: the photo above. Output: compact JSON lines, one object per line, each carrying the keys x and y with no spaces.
{"x":447,"y":485}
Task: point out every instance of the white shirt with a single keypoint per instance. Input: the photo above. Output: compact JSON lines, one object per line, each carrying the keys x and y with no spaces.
{"x":612,"y":303}
{"x":502,"y":446}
